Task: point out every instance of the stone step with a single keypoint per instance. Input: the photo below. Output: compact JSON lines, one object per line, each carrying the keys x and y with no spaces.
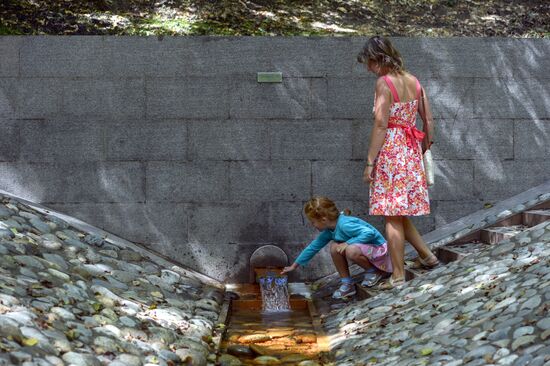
{"x":453,"y":252}
{"x":497,"y":234}
{"x":366,"y":292}
{"x":411,"y":273}
{"x":535,"y":217}
{"x":480,"y":240}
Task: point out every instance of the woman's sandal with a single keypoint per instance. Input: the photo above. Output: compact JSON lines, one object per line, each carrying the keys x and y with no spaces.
{"x":391,"y":283}
{"x":429,"y":263}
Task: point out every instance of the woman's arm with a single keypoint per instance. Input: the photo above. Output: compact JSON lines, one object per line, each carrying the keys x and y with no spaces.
{"x":428,"y":123}
{"x":382,"y":104}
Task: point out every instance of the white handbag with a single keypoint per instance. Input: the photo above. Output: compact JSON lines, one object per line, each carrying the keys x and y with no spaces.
{"x":429,"y":167}
{"x":427,"y":157}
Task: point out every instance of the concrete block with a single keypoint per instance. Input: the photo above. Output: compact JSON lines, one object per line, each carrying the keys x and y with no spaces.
{"x":339,"y":180}
{"x":497,"y":180}
{"x":104,"y":97}
{"x":71,"y":56}
{"x":445,"y":212}
{"x":424,"y":224}
{"x":531,"y":139}
{"x":229,"y":223}
{"x":137,"y":222}
{"x":146,"y":140}
{"x":316,"y":140}
{"x":9,"y":55}
{"x":511,"y":58}
{"x":61,"y":140}
{"x":437,"y":57}
{"x":454,"y":180}
{"x":9,"y":140}
{"x":130,"y":56}
{"x":166,"y":56}
{"x":293,"y":56}
{"x":228,"y":140}
{"x":360,"y":140}
{"x":473,"y":139}
{"x":187,"y":182}
{"x":8,"y":98}
{"x":432,"y":57}
{"x":359,"y":208}
{"x":30,"y":98}
{"x":86,"y":182}
{"x":450,"y":98}
{"x":222,"y":261}
{"x":511,"y":98}
{"x":289,"y":99}
{"x":343,"y":60}
{"x":189,"y":97}
{"x":278,"y":180}
{"x":288,"y":223}
{"x":477,"y":57}
{"x":319,"y":98}
{"x":229,"y":262}
{"x":350,"y":97}
{"x":185,"y":56}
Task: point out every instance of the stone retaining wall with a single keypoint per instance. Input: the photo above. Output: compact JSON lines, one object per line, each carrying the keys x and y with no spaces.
{"x":172,"y":143}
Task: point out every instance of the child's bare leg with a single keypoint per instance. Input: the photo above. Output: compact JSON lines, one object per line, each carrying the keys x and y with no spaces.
{"x":396,"y":244}
{"x":413,"y":236}
{"x":354,"y":253}
{"x":339,"y":260}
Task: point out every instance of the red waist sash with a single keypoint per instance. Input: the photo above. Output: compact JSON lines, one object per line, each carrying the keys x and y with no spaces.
{"x":411,"y":132}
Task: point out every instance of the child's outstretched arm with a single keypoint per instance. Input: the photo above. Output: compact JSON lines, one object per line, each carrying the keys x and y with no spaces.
{"x":308,"y":253}
{"x":313,"y":248}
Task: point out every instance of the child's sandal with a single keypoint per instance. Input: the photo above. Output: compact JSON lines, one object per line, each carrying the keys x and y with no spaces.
{"x":392,"y":283}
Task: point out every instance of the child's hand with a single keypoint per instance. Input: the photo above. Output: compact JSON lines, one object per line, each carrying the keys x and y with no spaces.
{"x":341,"y":248}
{"x":289,"y":268}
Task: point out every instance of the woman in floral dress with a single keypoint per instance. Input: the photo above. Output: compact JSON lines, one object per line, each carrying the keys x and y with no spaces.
{"x":394,"y":168}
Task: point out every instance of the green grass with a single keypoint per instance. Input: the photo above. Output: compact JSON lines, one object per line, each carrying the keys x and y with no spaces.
{"x":8,"y":31}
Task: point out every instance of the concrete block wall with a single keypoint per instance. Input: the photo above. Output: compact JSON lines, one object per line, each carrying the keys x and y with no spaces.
{"x":171,"y":142}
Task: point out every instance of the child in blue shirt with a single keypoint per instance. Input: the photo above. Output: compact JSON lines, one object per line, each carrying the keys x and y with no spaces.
{"x":352,"y":238}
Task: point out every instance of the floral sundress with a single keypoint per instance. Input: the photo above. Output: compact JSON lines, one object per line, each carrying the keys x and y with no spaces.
{"x":399,"y":187}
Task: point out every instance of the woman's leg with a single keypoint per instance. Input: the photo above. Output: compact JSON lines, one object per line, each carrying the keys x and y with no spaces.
{"x":339,"y":260}
{"x":395,"y":234}
{"x":354,"y":253}
{"x":413,"y":236}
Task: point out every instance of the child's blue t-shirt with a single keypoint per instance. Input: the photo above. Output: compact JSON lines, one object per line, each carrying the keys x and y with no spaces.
{"x":349,"y":229}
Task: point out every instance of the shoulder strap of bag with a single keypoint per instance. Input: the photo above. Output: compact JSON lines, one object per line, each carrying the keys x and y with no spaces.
{"x":422,"y":112}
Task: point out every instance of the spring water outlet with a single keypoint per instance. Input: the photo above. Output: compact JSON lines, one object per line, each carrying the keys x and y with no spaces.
{"x":267,"y":257}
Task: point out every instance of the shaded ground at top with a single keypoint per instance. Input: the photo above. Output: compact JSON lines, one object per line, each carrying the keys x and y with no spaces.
{"x":438,"y":18}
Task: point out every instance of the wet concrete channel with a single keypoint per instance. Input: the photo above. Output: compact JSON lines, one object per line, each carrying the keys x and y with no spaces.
{"x":253,"y":337}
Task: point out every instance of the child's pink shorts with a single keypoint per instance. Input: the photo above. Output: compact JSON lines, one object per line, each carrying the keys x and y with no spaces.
{"x":377,"y":255}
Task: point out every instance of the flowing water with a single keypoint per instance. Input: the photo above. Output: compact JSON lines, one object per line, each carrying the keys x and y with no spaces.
{"x":274,"y":291}
{"x":272,"y":338}
{"x":276,"y":330}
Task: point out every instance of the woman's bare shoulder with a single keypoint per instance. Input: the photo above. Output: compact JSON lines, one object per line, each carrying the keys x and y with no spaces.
{"x":408,"y":77}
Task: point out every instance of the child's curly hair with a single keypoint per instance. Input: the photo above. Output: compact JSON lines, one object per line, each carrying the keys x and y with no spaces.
{"x":319,"y":207}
